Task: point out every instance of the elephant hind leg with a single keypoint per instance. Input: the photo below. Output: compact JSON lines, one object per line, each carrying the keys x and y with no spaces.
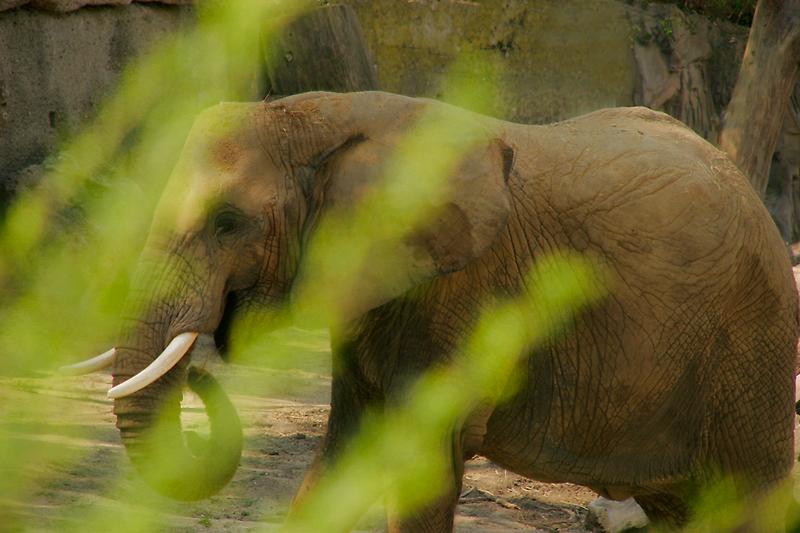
{"x":671,"y":511}
{"x":436,"y":517}
{"x":665,"y":510}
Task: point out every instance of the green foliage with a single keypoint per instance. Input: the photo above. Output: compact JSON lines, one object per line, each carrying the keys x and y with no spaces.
{"x":662,"y":35}
{"x":65,"y":283}
{"x":409,"y":467}
{"x":61,"y":299}
{"x":63,"y":286}
{"x":736,"y":11}
{"x":665,"y":25}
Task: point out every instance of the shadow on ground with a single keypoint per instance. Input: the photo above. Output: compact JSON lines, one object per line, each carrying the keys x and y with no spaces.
{"x":284,"y":410}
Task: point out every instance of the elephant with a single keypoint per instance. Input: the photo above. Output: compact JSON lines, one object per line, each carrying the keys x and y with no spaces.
{"x":683,"y":374}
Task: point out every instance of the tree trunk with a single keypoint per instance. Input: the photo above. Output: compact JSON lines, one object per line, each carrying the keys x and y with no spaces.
{"x":324,"y":50}
{"x":782,"y":199}
{"x":754,"y":116}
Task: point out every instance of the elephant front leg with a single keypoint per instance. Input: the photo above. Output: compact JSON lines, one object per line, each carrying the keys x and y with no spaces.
{"x":348,"y":403}
{"x":434,"y":518}
{"x":438,"y":515}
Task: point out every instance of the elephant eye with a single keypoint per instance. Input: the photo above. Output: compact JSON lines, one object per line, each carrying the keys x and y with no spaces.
{"x":226,"y":224}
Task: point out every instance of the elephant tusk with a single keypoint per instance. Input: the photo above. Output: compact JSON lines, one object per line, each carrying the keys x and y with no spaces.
{"x":98,"y":362}
{"x":173,"y":353}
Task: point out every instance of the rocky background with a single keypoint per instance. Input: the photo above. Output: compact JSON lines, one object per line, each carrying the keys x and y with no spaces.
{"x":59,"y":58}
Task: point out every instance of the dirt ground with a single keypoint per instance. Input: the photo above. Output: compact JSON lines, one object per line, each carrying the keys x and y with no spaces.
{"x":283,"y":411}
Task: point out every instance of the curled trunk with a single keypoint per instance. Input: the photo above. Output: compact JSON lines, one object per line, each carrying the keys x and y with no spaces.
{"x":177,"y":464}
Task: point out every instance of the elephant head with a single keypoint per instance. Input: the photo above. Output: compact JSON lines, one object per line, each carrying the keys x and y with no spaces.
{"x":251,"y":185}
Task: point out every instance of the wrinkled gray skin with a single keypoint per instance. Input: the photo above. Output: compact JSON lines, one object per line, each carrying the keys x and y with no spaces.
{"x":684,"y":372}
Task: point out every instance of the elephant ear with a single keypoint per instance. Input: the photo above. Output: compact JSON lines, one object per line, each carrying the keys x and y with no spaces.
{"x":458,"y":228}
{"x":463,"y":226}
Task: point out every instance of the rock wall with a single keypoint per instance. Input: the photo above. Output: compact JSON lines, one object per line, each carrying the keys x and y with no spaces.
{"x":550,"y":61}
{"x":555,"y":60}
{"x":65,"y":6}
{"x":55,"y":70}
{"x":687,"y":64}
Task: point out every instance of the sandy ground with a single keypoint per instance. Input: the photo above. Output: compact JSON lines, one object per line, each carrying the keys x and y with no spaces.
{"x":283,"y":410}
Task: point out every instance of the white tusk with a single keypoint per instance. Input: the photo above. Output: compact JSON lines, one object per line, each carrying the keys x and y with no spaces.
{"x":99,"y":362}
{"x":173,"y":353}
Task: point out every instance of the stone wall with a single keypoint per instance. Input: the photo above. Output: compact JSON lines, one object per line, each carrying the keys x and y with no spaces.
{"x":555,"y":60}
{"x":56,"y":68}
{"x":65,"y":6}
{"x":549,"y":60}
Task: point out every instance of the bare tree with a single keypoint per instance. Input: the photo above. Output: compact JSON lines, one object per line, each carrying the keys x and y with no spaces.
{"x":755,"y":114}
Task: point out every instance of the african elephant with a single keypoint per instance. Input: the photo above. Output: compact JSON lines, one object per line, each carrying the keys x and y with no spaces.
{"x":683,"y":373}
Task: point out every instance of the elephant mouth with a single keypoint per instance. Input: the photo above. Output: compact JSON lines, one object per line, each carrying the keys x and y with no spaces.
{"x":179,"y":347}
{"x":222,"y":335}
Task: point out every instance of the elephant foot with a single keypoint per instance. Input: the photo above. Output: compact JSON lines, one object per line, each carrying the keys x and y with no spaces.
{"x":612,"y":516}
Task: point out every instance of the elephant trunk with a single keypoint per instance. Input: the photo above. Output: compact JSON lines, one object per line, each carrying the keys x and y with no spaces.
{"x":178,"y":464}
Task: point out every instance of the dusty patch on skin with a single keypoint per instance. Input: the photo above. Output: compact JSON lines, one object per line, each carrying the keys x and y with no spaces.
{"x":224,"y":153}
